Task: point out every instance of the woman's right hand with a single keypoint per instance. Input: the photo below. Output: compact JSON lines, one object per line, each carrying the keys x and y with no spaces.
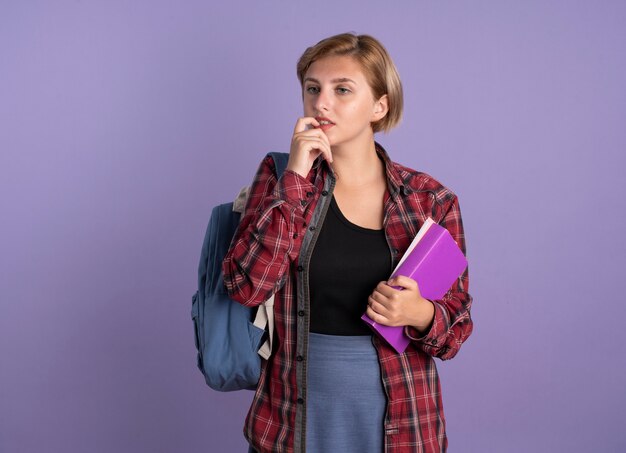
{"x":307,"y":143}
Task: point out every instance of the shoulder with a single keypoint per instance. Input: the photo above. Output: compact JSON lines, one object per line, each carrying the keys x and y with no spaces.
{"x":413,"y":181}
{"x":416,"y":181}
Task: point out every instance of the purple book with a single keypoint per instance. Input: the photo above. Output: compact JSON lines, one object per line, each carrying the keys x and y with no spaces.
{"x":435,"y":261}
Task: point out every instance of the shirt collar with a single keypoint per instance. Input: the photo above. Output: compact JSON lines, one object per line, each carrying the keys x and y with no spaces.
{"x":395,"y":181}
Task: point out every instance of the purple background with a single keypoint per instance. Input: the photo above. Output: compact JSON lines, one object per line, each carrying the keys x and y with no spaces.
{"x":122,"y":123}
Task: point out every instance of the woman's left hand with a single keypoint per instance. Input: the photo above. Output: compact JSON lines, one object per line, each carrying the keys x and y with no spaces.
{"x":400,"y":307}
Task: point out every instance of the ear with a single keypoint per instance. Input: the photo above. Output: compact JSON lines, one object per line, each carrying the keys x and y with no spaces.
{"x":381,"y":107}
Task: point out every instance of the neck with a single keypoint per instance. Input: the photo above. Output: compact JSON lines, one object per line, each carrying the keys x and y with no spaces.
{"x":357,"y":165}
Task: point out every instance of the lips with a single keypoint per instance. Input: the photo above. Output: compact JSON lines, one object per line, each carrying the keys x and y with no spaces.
{"x":325,"y":123}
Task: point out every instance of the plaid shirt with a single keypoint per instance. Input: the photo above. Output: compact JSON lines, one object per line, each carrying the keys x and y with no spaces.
{"x":270,"y":253}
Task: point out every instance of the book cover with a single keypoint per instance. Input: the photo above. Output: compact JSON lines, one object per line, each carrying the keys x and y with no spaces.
{"x":434,"y":261}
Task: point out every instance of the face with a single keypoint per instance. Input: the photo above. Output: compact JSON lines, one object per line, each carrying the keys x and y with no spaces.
{"x":337,"y":94}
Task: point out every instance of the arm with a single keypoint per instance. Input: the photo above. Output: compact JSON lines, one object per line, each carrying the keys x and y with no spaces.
{"x":437,"y":327}
{"x":451,"y":323}
{"x":269,"y":235}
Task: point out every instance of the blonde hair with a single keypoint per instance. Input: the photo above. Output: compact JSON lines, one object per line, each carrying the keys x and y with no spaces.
{"x":376,"y":63}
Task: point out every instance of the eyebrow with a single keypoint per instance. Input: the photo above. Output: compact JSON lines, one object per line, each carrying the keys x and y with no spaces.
{"x":338,"y":80}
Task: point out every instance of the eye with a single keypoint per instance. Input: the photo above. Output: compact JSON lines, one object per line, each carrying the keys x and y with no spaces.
{"x":312,"y":89}
{"x":342,"y":90}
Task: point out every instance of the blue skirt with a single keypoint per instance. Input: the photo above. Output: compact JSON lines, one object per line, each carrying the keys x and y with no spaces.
{"x":346,"y":402}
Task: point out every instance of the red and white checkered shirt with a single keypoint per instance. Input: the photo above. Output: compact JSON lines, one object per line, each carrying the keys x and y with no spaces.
{"x":270,"y":253}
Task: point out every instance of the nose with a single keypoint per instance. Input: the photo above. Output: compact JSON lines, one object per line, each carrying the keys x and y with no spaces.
{"x":322,"y":101}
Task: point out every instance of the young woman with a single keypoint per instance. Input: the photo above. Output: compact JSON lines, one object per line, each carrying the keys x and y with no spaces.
{"x":325,"y":237}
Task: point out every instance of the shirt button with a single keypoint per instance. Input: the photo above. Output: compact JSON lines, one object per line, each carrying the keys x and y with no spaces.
{"x":300,"y":268}
{"x":301,"y":313}
{"x":434,"y":342}
{"x":299,"y":358}
{"x":303,"y":202}
{"x":295,"y":235}
{"x":312,"y":228}
{"x":300,"y":400}
{"x":309,"y":194}
{"x":324,"y":193}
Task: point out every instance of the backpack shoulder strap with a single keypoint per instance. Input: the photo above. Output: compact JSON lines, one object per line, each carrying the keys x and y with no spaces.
{"x":280,"y":161}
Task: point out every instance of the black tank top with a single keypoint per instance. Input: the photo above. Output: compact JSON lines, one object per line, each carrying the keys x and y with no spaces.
{"x":347,"y":263}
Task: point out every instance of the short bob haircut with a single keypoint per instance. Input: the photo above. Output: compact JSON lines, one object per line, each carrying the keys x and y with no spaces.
{"x":376,"y":63}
